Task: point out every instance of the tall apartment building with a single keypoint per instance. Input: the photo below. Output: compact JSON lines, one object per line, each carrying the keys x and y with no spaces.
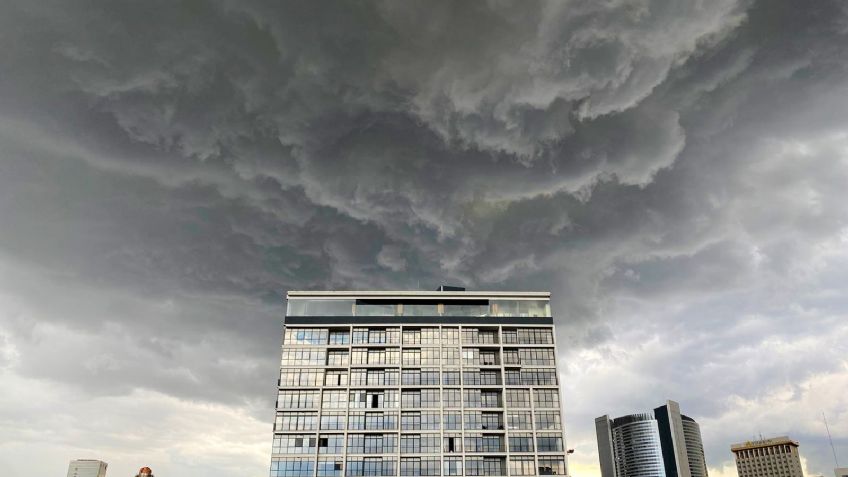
{"x":775,"y":457}
{"x":410,"y":383}
{"x":664,"y":443}
{"x":87,"y":468}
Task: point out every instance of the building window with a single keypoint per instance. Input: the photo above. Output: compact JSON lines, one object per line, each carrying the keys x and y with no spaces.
{"x":518,"y":398}
{"x":371,"y":443}
{"x":411,"y":336}
{"x":430,"y":421}
{"x":480,"y":335}
{"x":303,"y":357}
{"x":429,"y":377}
{"x":373,"y":399}
{"x":295,"y":421}
{"x":546,"y":398}
{"x":411,"y":357}
{"x":452,"y":443}
{"x":372,"y":421}
{"x":452,"y":466}
{"x":476,"y":398}
{"x":450,"y":378}
{"x":452,"y":397}
{"x":527,"y":336}
{"x":519,"y":420}
{"x":305,"y":336}
{"x":335,"y":378}
{"x":301,"y":377}
{"x":430,"y":356}
{"x":484,"y":443}
{"x":475,"y":466}
{"x":331,"y":444}
{"x":370,"y":466}
{"x":410,"y":421}
{"x":549,"y":443}
{"x":429,"y":336}
{"x":293,"y":467}
{"x":294,"y":444}
{"x":415,"y":466}
{"x":522,"y":466}
{"x":450,"y":356}
{"x":430,"y":398}
{"x":334,"y":400}
{"x":486,"y":377}
{"x":410,"y":377}
{"x":339,"y":337}
{"x":538,"y":377}
{"x":512,"y":377}
{"x":297,"y":400}
{"x":489,"y":421}
{"x":551,"y":466}
{"x":450,"y":335}
{"x":547,"y":420}
{"x":453,"y":420}
{"x":410,"y":399}
{"x":337,"y":358}
{"x":521,"y":442}
{"x":332,"y":420}
{"x":537,"y":357}
{"x":329,"y":467}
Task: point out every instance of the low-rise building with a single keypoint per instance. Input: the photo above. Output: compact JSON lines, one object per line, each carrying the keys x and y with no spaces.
{"x":774,"y":457}
{"x":87,"y":468}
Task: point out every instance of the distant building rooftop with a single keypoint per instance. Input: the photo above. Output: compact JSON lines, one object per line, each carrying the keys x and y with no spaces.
{"x":756,"y":444}
{"x":418,"y":294}
{"x":447,"y":303}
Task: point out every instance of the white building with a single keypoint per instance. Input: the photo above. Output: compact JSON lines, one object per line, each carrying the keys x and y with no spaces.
{"x":775,"y":457}
{"x":87,"y":468}
{"x":410,"y":383}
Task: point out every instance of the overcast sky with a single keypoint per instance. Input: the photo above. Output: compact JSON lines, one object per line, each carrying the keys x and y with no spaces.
{"x":675,"y":172}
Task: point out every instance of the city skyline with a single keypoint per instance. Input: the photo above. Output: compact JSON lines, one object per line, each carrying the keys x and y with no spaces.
{"x":672,"y":171}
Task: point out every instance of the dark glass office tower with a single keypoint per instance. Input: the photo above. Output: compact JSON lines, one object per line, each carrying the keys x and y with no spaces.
{"x":663,"y":443}
{"x":418,"y":384}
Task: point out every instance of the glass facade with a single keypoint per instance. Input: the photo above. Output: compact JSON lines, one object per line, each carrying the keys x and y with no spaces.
{"x":418,"y":308}
{"x":426,"y":398}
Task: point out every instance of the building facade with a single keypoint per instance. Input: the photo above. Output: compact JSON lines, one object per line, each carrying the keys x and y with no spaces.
{"x":445,"y":383}
{"x":87,"y":468}
{"x":774,"y":457}
{"x":663,"y":443}
{"x":840,"y":472}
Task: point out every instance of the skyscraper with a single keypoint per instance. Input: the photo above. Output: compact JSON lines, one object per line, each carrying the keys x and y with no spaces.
{"x":87,"y":468}
{"x":416,"y":383}
{"x":664,"y":443}
{"x":775,"y":457}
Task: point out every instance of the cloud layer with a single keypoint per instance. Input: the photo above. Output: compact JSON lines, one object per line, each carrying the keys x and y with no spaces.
{"x":673,"y":171}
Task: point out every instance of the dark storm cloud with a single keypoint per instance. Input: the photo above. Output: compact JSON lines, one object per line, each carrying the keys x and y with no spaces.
{"x":673,"y":171}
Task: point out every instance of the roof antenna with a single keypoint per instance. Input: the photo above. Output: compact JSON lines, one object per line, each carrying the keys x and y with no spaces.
{"x":829,"y":438}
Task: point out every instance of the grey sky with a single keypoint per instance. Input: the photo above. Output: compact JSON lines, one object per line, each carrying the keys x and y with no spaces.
{"x":674,"y":171}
